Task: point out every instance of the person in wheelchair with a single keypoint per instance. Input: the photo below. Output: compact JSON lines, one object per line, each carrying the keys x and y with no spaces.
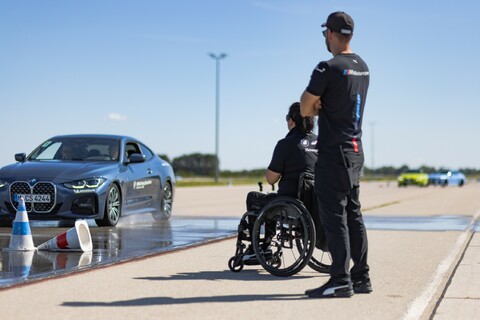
{"x":293,"y":156}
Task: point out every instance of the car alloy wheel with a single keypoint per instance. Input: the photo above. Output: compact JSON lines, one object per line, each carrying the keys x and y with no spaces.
{"x":166,"y":204}
{"x":113,"y":207}
{"x":167,"y":200}
{"x":113,"y":204}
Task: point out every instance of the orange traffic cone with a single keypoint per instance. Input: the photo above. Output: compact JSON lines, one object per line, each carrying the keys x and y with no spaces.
{"x":75,"y":239}
{"x":21,"y":239}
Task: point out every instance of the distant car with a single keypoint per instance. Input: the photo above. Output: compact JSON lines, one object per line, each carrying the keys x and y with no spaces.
{"x":445,"y":178}
{"x":413,"y":177}
{"x":101,"y":177}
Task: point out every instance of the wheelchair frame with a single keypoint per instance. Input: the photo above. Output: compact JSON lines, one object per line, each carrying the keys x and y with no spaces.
{"x":282,"y":227}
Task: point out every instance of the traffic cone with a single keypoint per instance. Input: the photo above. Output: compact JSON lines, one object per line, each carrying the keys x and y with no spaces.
{"x":20,"y":262}
{"x":75,"y":239}
{"x":67,"y":260}
{"x":21,"y":239}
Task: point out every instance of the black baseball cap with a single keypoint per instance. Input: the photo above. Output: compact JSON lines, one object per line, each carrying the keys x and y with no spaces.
{"x":339,"y":22}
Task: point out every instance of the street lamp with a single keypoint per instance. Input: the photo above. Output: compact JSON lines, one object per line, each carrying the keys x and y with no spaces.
{"x":217,"y":59}
{"x":372,"y":132}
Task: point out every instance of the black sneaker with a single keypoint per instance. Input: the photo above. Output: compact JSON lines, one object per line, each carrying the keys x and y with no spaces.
{"x":331,"y":289}
{"x":362,"y":286}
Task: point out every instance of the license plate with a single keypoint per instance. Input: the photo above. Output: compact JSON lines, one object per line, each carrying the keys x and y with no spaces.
{"x":33,"y":198}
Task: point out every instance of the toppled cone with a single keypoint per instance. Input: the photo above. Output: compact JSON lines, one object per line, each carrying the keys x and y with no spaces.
{"x":77,"y":238}
{"x":21,"y":239}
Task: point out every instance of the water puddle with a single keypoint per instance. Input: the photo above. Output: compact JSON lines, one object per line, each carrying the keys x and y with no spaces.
{"x":140,"y":237}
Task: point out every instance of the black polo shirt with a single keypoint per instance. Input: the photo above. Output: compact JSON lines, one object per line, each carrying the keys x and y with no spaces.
{"x":342,"y":83}
{"x":294,"y":154}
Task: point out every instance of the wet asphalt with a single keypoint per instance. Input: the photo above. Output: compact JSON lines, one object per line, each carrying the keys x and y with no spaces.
{"x":140,"y":236}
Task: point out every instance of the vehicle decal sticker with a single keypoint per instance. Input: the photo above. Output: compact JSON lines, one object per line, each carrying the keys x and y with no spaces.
{"x":141,"y":184}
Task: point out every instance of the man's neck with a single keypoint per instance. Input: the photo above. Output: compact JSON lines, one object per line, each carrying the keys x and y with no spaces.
{"x":344,"y":50}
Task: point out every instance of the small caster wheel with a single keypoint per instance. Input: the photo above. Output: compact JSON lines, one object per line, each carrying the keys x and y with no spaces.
{"x":234,"y":265}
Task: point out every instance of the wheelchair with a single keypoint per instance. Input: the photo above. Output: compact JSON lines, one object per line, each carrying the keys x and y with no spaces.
{"x":283,"y":235}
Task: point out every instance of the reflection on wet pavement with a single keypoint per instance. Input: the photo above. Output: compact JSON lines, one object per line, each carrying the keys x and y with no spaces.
{"x":140,"y":236}
{"x":130,"y":240}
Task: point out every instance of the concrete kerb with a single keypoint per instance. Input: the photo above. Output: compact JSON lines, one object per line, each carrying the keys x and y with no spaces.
{"x":425,"y":305}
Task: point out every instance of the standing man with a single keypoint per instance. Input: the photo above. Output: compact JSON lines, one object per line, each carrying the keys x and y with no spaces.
{"x":336,"y":93}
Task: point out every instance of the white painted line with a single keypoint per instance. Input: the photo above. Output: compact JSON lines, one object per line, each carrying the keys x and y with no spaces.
{"x":418,"y":306}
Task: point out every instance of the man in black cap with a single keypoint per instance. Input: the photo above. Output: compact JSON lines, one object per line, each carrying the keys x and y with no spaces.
{"x":336,"y":93}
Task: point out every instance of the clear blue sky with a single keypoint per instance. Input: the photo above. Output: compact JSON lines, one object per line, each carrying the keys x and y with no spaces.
{"x":141,"y":68}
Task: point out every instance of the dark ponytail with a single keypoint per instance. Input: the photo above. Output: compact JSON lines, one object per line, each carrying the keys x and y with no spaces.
{"x":305,"y":124}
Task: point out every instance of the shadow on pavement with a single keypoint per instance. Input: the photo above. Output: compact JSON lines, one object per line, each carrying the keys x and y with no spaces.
{"x":153,"y":301}
{"x":244,"y":275}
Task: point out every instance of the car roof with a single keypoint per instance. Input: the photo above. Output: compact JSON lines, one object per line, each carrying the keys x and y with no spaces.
{"x":108,"y":136}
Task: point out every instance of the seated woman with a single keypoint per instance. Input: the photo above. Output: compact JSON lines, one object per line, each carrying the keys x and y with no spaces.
{"x":293,"y":155}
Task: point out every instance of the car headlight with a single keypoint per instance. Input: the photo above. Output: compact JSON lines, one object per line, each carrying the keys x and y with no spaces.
{"x":3,"y":184}
{"x":91,"y":183}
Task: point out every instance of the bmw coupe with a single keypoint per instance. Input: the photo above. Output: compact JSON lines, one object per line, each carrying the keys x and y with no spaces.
{"x":101,"y":177}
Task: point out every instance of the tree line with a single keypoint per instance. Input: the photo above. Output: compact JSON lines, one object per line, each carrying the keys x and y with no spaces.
{"x":200,"y":164}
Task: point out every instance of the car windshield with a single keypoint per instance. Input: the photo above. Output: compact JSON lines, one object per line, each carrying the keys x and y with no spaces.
{"x":413,"y":171}
{"x":77,"y":149}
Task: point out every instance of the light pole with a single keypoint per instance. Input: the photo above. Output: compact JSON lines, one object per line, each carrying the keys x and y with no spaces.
{"x":217,"y":59}
{"x":372,"y":125}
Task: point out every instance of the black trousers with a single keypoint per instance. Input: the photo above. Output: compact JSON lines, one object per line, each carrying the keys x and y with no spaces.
{"x":337,"y":190}
{"x":257,"y":200}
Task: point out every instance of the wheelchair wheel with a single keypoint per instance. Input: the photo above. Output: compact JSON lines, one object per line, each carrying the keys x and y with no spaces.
{"x":235,"y":264}
{"x":320,"y":261}
{"x":284,"y":237}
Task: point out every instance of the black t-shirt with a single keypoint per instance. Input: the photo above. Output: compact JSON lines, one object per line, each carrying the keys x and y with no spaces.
{"x":342,"y":83}
{"x":294,"y":154}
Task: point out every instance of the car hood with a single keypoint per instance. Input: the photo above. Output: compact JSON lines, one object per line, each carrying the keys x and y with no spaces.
{"x":59,"y":171}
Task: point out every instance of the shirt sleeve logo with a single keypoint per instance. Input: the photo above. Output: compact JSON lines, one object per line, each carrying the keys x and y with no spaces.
{"x":305,"y":143}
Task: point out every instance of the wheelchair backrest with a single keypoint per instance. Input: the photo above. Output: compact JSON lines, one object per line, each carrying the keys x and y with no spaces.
{"x":306,"y":190}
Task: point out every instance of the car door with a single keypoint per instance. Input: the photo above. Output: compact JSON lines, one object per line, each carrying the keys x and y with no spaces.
{"x":142,"y":182}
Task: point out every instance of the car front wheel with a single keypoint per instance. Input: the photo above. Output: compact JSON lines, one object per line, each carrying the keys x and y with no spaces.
{"x":165,"y":211}
{"x":113,"y":207}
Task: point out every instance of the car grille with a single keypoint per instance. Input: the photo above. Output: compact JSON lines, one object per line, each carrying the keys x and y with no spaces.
{"x":22,"y":187}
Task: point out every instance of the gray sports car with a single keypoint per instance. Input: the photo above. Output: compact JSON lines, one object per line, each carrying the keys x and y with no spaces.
{"x":101,"y":177}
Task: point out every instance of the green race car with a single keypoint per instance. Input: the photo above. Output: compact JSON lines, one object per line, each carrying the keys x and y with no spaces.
{"x":413,"y":177}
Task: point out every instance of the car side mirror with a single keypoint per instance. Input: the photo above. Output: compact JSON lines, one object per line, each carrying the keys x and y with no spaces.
{"x":136,"y":158}
{"x":20,"y":157}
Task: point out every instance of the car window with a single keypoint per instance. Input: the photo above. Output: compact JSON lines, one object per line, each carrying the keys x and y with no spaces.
{"x":147,"y":152}
{"x":131,"y":148}
{"x":413,"y":171}
{"x":77,"y":149}
{"x":49,"y":151}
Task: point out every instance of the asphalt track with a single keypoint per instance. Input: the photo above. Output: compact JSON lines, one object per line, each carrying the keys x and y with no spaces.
{"x":424,"y":255}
